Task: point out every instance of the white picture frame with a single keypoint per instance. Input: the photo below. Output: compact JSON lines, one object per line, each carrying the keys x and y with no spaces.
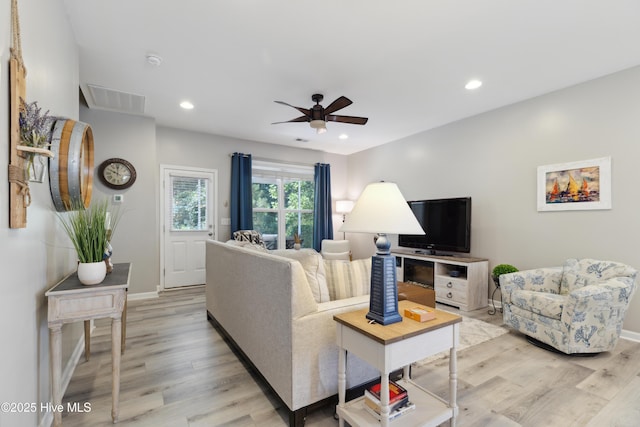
{"x":581,"y":185}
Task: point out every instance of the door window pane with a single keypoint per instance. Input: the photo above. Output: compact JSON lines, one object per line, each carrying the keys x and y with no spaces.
{"x":188,"y":203}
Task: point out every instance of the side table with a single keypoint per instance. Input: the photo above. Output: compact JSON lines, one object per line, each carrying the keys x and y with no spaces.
{"x":392,"y":347}
{"x":71,"y":301}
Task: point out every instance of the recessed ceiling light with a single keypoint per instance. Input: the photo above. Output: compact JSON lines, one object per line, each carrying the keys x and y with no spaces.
{"x":186,"y":105}
{"x":473,"y":84}
{"x":154,"y":59}
{"x":343,"y":136}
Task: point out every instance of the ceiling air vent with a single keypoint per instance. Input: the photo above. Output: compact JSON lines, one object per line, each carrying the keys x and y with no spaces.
{"x":102,"y":98}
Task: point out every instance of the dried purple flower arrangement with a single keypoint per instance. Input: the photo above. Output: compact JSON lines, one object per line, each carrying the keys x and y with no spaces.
{"x":35,"y":128}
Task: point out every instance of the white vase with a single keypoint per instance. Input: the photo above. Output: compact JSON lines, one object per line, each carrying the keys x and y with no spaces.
{"x":92,"y":273}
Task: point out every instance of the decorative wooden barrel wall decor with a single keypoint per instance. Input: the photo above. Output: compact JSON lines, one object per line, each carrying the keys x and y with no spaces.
{"x":71,"y":168}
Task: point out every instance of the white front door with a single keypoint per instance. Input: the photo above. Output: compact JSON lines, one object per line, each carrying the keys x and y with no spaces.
{"x":189,"y":218}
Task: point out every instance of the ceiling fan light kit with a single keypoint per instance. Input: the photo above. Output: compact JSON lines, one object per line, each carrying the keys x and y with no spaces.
{"x":319,"y":125}
{"x":317,"y":116}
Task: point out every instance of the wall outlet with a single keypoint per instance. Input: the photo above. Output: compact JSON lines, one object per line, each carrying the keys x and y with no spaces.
{"x":118,"y":198}
{"x":225,"y":221}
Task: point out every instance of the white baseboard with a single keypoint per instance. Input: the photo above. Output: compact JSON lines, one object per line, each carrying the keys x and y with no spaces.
{"x":142,"y":295}
{"x":630,"y":335}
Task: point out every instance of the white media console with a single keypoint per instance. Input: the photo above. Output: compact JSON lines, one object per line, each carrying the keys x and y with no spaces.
{"x":461,"y":282}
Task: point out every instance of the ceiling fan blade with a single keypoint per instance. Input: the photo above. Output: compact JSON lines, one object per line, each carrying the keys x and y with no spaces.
{"x":297,"y":119}
{"x":338,"y":104}
{"x":304,"y":111}
{"x":347,"y":119}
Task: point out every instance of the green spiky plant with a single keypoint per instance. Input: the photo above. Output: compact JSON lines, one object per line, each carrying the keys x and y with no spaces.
{"x":87,"y":229}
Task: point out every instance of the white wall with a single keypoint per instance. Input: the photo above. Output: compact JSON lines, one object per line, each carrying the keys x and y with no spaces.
{"x":35,"y":258}
{"x":493,"y":158}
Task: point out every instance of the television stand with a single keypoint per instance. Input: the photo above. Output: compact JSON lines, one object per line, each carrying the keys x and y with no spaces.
{"x":461,"y":282}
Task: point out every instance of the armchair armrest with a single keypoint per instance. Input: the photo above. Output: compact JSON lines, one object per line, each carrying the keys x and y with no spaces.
{"x":542,"y":280}
{"x":606,"y":301}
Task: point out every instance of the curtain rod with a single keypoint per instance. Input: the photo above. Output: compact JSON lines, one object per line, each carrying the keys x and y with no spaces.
{"x":264,"y":159}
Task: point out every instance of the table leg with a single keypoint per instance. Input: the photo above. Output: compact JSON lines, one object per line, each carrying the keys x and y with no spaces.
{"x":453,"y":376}
{"x":87,"y":340}
{"x":384,"y":399}
{"x":124,"y":323}
{"x":55,"y":348}
{"x":342,"y":381}
{"x":116,"y":331}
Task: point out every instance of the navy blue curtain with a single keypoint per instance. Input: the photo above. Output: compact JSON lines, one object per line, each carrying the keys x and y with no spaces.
{"x":322,"y":221}
{"x":241,"y":203}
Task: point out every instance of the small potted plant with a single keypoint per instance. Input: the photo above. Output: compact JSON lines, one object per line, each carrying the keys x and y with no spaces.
{"x":501,"y":269}
{"x":89,"y":230}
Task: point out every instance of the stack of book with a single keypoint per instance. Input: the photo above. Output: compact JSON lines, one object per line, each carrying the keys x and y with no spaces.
{"x":398,"y":400}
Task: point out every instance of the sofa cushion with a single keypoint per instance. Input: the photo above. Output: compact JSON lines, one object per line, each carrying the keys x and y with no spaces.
{"x":577,"y":273}
{"x":346,"y":279}
{"x":313,"y":267}
{"x":247,"y":245}
{"x":542,"y":303}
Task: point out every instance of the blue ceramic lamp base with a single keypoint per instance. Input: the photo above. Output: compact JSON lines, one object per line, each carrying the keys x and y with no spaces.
{"x":383,"y":304}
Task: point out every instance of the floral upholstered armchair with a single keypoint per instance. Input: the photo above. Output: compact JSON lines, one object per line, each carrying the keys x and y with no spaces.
{"x":576,"y":308}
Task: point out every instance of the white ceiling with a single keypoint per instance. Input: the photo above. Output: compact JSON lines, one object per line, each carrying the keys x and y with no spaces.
{"x":402,"y":63}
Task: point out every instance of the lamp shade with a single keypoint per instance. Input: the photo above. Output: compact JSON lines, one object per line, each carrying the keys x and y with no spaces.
{"x":344,"y":206}
{"x":381,"y":208}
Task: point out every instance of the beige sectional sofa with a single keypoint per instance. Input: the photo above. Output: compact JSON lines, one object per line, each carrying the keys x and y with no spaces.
{"x":283,"y":324}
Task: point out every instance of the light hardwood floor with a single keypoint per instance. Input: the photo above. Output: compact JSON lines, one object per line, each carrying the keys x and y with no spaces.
{"x":178,"y":372}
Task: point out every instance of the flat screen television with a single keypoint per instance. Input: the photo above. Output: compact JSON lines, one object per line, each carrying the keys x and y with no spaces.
{"x":447,"y":223}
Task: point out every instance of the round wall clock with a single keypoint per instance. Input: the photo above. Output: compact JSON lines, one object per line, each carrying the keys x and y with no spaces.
{"x":117,"y":173}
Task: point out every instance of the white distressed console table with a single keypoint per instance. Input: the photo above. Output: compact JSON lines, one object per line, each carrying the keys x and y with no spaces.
{"x":71,"y":301}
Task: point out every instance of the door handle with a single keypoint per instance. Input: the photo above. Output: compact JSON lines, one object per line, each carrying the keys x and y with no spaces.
{"x":210,"y":234}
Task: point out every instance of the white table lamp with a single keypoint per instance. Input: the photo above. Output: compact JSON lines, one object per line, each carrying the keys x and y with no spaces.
{"x":381,"y":209}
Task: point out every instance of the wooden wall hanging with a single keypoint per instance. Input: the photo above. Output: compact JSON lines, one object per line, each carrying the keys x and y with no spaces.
{"x":19,"y":196}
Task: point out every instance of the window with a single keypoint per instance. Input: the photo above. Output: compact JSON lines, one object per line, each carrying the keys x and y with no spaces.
{"x":189,"y":203}
{"x":283,"y":203}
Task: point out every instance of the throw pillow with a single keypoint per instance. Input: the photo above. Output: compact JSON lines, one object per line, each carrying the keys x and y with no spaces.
{"x":248,"y":236}
{"x":346,"y":279}
{"x":313,"y":267}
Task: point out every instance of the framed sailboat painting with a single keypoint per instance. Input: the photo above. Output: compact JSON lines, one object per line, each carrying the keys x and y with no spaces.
{"x":583,"y":185}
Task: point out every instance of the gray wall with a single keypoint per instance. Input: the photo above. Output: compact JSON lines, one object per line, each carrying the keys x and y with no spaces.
{"x":35,"y":258}
{"x":136,"y":238}
{"x":177,"y":147}
{"x":139,"y":141}
{"x":493,"y":158}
